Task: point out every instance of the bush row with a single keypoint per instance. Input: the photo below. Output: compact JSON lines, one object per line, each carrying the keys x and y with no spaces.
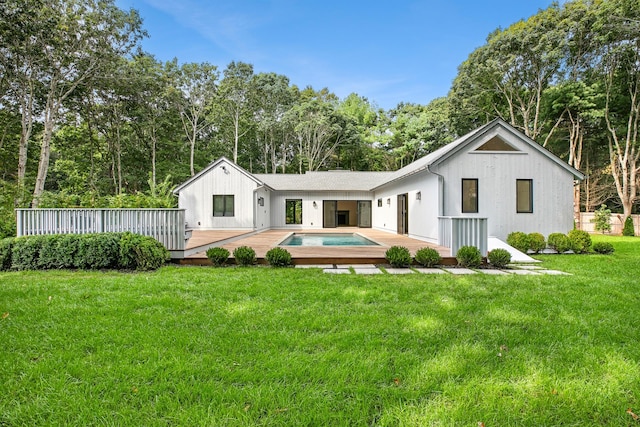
{"x":84,"y":251}
{"x":578,"y":241}
{"x":467,"y":256}
{"x":245,"y":256}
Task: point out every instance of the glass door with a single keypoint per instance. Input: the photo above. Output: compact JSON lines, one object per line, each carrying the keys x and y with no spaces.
{"x":364,"y":213}
{"x":329,"y":213}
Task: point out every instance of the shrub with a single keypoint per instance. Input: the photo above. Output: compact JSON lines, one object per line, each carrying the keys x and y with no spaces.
{"x":244,"y":255}
{"x":580,"y":241}
{"x":278,"y":257}
{"x":26,"y":251}
{"x":141,"y":252}
{"x":536,"y":242}
{"x":5,"y":253}
{"x":49,"y":252}
{"x":499,"y":258}
{"x":67,"y":251}
{"x":519,"y":240}
{"x":218,"y":256}
{"x":604,"y":248}
{"x":428,"y":257}
{"x":559,"y":242}
{"x":98,"y":251}
{"x":469,"y":256}
{"x":628,"y":229}
{"x":398,"y":256}
{"x":602,"y":219}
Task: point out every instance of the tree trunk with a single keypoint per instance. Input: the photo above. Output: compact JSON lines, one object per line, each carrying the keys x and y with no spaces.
{"x":45,"y":152}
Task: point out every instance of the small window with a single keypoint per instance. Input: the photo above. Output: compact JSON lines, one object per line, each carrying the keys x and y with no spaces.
{"x":223,"y":205}
{"x":469,"y":195}
{"x":524,"y":196}
{"x":379,"y":203}
{"x":294,"y":211}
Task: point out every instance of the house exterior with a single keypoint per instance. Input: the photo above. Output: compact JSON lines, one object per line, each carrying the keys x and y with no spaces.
{"x":495,"y":175}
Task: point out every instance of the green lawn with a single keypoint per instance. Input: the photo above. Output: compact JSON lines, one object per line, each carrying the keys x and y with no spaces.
{"x":258,"y":346}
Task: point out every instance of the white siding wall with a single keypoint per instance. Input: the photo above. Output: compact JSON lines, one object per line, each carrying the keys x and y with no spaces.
{"x":197,"y":199}
{"x":423,"y":213}
{"x":263,"y":213}
{"x":497,"y":174}
{"x":311,"y":216}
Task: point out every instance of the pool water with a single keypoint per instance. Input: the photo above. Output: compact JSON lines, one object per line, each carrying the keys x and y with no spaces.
{"x":327,"y":239}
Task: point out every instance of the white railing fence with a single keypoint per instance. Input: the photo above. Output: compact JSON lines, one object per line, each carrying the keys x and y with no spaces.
{"x":455,"y":232}
{"x":165,"y":225}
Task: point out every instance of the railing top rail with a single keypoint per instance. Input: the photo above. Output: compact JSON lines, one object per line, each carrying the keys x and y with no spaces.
{"x":100,"y":209}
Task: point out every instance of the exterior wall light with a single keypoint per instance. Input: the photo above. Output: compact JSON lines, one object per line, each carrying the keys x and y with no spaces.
{"x":389,"y":201}
{"x":419,"y":195}
{"x":260,"y":201}
{"x":315,"y":205}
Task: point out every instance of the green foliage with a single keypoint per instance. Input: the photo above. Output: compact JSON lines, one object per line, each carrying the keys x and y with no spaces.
{"x":604,"y":248}
{"x":580,"y":241}
{"x":536,"y":242}
{"x":519,"y":240}
{"x":499,"y":258}
{"x":244,"y":256}
{"x":141,"y":252}
{"x":628,"y":229}
{"x":602,"y":219}
{"x":559,"y":242}
{"x":5,"y":253}
{"x":469,"y":256}
{"x":218,"y":256}
{"x":278,"y":257}
{"x":98,"y":251}
{"x":427,"y":257}
{"x":398,"y":256}
{"x":26,"y":251}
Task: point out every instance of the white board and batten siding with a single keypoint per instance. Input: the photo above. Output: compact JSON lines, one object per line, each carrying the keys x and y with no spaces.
{"x":423,"y":212}
{"x":497,"y":172}
{"x":312,"y":216}
{"x":222,"y":179}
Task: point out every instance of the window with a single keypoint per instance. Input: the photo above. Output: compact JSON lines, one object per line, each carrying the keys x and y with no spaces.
{"x":294,"y":211}
{"x":379,"y":203}
{"x":469,"y":195}
{"x":223,"y":205}
{"x":524,"y":196}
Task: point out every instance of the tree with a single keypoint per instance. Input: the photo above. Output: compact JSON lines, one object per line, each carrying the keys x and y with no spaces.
{"x":197,"y":84}
{"x":83,"y":38}
{"x":233,"y":104}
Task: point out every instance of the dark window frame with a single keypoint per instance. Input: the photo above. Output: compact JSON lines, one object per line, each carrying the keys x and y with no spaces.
{"x":464,"y":204}
{"x":294,"y":219}
{"x":530,"y":191}
{"x":227,"y":211}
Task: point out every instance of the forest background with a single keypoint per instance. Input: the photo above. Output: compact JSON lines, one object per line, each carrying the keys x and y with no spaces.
{"x":89,"y":119}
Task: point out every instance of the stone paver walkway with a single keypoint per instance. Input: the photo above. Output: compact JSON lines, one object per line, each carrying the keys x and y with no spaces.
{"x":523,"y":270}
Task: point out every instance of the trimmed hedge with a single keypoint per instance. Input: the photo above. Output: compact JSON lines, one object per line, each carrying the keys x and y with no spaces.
{"x":427,"y":257}
{"x":244,"y":255}
{"x":559,"y":242}
{"x":85,"y":251}
{"x":218,"y":255}
{"x":536,"y":242}
{"x":398,"y":256}
{"x":469,"y":256}
{"x":519,"y":240}
{"x":580,"y":241}
{"x":499,"y":258}
{"x":603,"y":248}
{"x":278,"y":257}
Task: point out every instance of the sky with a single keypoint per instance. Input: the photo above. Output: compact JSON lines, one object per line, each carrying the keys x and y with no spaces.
{"x":389,"y":52}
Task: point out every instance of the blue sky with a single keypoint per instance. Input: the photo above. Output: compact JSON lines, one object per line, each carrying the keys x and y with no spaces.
{"x":389,"y":52}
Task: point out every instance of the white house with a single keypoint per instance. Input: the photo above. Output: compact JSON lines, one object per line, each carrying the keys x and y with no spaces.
{"x":494,"y":173}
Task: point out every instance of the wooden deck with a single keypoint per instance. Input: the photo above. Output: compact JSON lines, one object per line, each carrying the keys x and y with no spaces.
{"x":261,"y":242}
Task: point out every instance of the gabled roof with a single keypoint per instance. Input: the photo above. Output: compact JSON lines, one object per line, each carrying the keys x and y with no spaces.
{"x":210,"y":167}
{"x":325,"y":181}
{"x":370,"y":181}
{"x":459,"y":144}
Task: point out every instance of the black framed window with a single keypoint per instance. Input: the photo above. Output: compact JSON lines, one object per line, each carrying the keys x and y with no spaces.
{"x":469,"y":195}
{"x":293,"y":211}
{"x":524,"y":196}
{"x":223,"y":205}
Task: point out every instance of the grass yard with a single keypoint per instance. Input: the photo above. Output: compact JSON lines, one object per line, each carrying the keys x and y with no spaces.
{"x":256,"y":346}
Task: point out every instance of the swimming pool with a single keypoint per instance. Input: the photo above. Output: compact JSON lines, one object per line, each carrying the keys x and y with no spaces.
{"x":327,"y":239}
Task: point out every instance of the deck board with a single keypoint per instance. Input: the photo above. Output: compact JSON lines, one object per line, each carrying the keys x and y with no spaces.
{"x":261,"y":242}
